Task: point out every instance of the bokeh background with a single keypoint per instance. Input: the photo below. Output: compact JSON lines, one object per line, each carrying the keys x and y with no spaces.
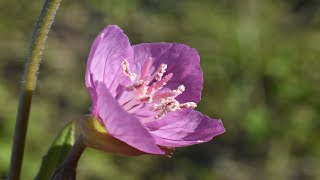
{"x":262,"y":78}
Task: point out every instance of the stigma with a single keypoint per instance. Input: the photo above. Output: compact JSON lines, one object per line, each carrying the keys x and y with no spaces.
{"x":148,"y":89}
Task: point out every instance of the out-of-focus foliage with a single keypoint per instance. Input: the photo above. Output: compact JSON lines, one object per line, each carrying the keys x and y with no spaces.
{"x":261,"y":66}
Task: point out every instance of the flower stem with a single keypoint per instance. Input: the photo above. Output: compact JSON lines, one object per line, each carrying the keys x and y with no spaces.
{"x":68,"y":168}
{"x":33,"y":60}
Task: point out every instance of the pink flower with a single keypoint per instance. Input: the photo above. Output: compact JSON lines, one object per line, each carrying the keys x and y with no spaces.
{"x":145,"y":94}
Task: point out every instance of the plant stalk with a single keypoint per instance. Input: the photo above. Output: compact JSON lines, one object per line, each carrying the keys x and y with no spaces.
{"x":33,"y":60}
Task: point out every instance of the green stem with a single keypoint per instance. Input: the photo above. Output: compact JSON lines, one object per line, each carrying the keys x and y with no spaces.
{"x":40,"y":33}
{"x":67,"y":170}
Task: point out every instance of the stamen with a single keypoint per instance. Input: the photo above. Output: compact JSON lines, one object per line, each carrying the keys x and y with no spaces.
{"x":145,"y":93}
{"x":159,"y":84}
{"x":135,"y":86}
{"x":180,"y":90}
{"x":146,"y":68}
{"x":142,"y":91}
{"x":146,"y":99}
{"x":188,"y":105}
{"x":170,"y":105}
{"x":170,"y":94}
{"x":126,"y":70}
{"x":166,"y":106}
{"x":161,"y":71}
{"x":164,"y":95}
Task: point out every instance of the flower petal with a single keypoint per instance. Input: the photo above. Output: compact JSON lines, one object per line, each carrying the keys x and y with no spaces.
{"x":109,"y":49}
{"x":122,"y":125}
{"x":171,"y":117}
{"x":192,"y":129}
{"x":95,"y":135}
{"x":183,"y":61}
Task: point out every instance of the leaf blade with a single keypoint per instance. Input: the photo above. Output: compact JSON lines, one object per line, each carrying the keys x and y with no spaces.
{"x":57,"y":152}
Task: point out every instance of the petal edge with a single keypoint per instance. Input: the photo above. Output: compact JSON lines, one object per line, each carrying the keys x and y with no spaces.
{"x":195,"y":129}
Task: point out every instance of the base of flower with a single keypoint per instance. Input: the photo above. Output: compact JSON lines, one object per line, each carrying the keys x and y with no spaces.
{"x":95,"y":136}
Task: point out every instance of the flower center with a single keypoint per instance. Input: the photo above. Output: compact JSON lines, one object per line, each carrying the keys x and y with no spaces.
{"x":149,"y":89}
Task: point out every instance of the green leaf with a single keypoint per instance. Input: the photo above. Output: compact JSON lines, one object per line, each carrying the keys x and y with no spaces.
{"x":58,"y":152}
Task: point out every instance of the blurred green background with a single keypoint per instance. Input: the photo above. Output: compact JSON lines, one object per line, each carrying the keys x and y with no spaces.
{"x":262,"y":78}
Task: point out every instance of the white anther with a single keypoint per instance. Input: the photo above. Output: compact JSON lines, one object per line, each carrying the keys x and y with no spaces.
{"x":166,"y":106}
{"x":161,"y":71}
{"x":126,"y":70}
{"x":180,"y":90}
{"x":188,"y":105}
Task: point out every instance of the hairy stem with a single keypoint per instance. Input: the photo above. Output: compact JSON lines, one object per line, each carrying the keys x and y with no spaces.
{"x":67,"y":170}
{"x":33,"y":60}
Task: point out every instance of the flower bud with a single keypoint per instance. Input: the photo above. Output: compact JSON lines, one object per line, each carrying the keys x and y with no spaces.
{"x":95,"y":136}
